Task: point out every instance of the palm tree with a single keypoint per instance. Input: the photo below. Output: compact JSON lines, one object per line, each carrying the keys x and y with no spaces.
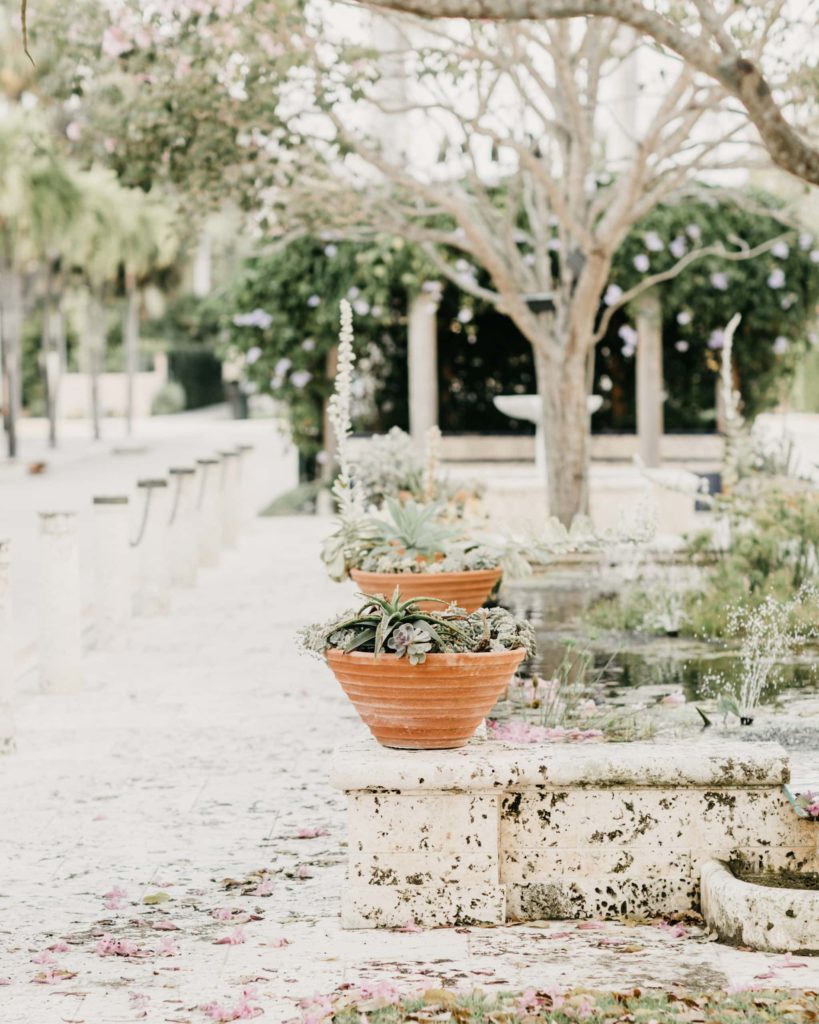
{"x":38,"y":200}
{"x":150,"y":243}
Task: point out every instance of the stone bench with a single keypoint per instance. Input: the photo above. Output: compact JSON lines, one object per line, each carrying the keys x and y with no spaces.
{"x":496,"y":832}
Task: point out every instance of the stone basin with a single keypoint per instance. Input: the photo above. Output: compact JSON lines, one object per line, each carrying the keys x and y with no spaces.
{"x":774,"y":911}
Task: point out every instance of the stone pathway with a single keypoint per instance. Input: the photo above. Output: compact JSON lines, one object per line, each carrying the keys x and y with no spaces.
{"x":170,"y":849}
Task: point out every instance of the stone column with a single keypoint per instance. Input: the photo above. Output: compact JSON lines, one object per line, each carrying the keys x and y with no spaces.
{"x":423,"y":359}
{"x":152,"y":569}
{"x":209,"y":506}
{"x":182,"y":526}
{"x":8,"y":650}
{"x":113,"y":571}
{"x":230,"y":497}
{"x":650,"y":387}
{"x":60,"y":646}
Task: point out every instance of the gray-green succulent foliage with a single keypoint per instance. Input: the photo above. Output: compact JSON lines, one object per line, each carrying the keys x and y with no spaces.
{"x":397,"y":626}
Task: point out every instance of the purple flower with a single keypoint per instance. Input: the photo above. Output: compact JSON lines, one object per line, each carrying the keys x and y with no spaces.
{"x":330,"y":250}
{"x":693,"y":231}
{"x":553,"y":245}
{"x":308,"y":344}
{"x":681,"y":346}
{"x":716,"y":339}
{"x":814,"y":255}
{"x":653,"y":242}
{"x":641,"y":262}
{"x":361,"y":307}
{"x":719,"y":280}
{"x":684,"y":317}
{"x":256,"y":318}
{"x":465,"y":315}
{"x":301,"y":378}
{"x":282,"y":366}
{"x":314,"y":301}
{"x":781,"y":250}
{"x":781,"y":345}
{"x":253,"y":355}
{"x":805,"y":241}
{"x":678,"y":247}
{"x":613,"y":294}
{"x":776,"y":278}
{"x":628,"y":334}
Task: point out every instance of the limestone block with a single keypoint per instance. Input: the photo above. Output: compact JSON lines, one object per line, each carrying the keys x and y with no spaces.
{"x":615,"y":896}
{"x":394,"y":823}
{"x":423,"y":867}
{"x":387,"y":906}
{"x":547,"y":864}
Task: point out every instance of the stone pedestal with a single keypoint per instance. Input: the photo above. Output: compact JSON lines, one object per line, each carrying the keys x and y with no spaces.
{"x":7,"y":650}
{"x":152,"y":582}
{"x":209,"y":511}
{"x":230,"y":498}
{"x":183,"y":535}
{"x":495,"y":832}
{"x":113,"y":573}
{"x":60,"y":638}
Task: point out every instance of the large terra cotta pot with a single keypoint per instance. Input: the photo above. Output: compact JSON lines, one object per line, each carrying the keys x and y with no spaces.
{"x":468,"y":590}
{"x":435,"y":705}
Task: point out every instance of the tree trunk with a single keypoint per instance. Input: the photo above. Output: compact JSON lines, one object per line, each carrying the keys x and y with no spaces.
{"x":130,"y":339}
{"x":563,"y":392}
{"x":11,"y":340}
{"x":95,"y":332}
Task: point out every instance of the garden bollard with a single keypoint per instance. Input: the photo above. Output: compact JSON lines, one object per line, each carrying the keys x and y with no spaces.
{"x":113,"y":577}
{"x":209,"y":506}
{"x":7,"y":651}
{"x":60,"y":647}
{"x":247,"y":501}
{"x":182,"y":527}
{"x":230,"y":498}
{"x":152,"y":570}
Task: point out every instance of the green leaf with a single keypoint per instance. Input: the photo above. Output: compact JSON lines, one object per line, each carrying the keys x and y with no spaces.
{"x":154,"y":898}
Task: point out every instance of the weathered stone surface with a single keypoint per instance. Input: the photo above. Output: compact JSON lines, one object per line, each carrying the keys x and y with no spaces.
{"x":389,"y":906}
{"x":497,"y":766}
{"x":570,"y":831}
{"x":774,"y":919}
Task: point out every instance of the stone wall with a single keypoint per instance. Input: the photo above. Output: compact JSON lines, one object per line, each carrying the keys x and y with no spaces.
{"x":495,"y":832}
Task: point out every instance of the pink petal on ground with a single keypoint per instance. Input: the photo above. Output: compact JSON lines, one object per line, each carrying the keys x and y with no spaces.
{"x":43,"y":958}
{"x":221,"y":914}
{"x":60,"y":947}
{"x":590,"y":926}
{"x":410,"y":926}
{"x":165,"y":925}
{"x":766,"y":974}
{"x":310,"y":833}
{"x":304,"y":872}
{"x":113,"y":904}
{"x":5,"y":981}
{"x":168,"y":947}
{"x":116,"y":893}
{"x":279,"y":943}
{"x":236,"y":938}
{"x":264,"y":889}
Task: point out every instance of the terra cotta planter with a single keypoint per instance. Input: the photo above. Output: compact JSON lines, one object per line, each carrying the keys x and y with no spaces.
{"x":436,"y":705}
{"x":468,"y":590}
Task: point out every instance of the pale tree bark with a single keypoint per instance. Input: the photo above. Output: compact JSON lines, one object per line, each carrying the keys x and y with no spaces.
{"x":11,"y":342}
{"x":738,"y":74}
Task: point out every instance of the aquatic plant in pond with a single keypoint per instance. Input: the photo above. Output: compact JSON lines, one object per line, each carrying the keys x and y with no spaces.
{"x":770,"y":632}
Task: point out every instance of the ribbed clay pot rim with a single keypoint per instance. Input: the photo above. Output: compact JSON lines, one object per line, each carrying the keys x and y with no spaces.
{"x":335,"y":654}
{"x":475,"y":574}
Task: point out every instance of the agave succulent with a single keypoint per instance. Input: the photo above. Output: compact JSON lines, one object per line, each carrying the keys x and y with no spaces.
{"x":398,"y":625}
